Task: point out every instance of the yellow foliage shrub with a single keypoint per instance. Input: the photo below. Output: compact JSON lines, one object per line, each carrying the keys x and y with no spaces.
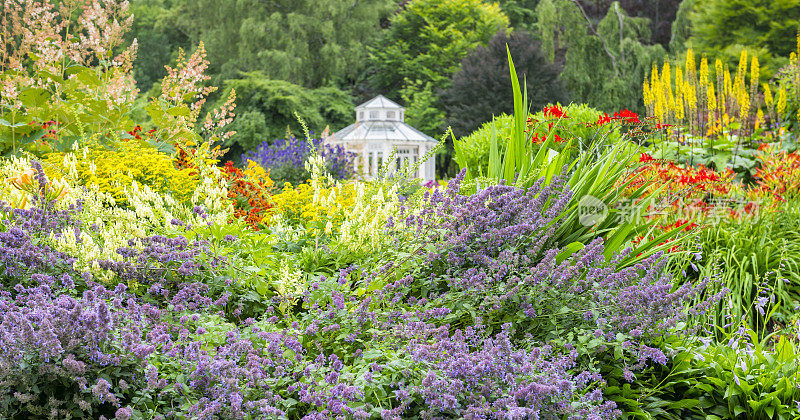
{"x":114,"y":170}
{"x":302,"y":206}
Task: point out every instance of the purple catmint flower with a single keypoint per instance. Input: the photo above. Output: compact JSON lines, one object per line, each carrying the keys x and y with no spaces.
{"x":124,"y":413}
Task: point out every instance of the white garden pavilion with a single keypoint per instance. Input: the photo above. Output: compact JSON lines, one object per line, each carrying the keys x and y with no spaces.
{"x":379,"y":129}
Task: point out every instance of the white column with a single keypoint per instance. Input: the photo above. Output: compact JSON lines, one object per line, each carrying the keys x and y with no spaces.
{"x":387,"y":150}
{"x":430,"y":169}
{"x":421,"y":169}
{"x":373,"y":171}
{"x":364,"y":162}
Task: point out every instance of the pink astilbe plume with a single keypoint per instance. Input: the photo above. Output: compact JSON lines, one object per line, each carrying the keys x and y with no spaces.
{"x":104,"y":25}
{"x":184,"y":83}
{"x":39,"y":36}
{"x":9,"y":95}
{"x":219,"y":118}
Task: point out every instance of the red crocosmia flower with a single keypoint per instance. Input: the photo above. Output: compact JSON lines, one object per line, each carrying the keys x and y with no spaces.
{"x":536,"y":139}
{"x":644,"y":158}
{"x":554,"y":111}
{"x":662,"y":126}
{"x":687,"y":226}
{"x":628,"y":116}
{"x":603,"y":119}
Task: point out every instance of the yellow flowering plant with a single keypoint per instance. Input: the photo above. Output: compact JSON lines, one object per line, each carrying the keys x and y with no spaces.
{"x":694,"y":101}
{"x":115,"y":170}
{"x":303,"y":205}
{"x":147,"y":211}
{"x":718,"y":119}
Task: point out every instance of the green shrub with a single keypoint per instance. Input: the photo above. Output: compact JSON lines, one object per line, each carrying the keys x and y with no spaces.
{"x":707,"y":380}
{"x":752,"y":255}
{"x":472,"y":151}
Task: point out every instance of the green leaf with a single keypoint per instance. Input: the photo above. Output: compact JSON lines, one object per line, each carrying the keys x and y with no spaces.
{"x":89,"y":78}
{"x":34,"y":97}
{"x":687,"y":403}
{"x":617,"y":352}
{"x":568,"y":250}
{"x":5,"y":123}
{"x":179,"y":111}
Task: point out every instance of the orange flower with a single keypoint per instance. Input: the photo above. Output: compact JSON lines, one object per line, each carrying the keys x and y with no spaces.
{"x":23,"y":180}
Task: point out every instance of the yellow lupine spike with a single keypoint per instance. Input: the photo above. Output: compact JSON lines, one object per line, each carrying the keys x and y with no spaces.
{"x":759,"y":119}
{"x":666,"y":82}
{"x":741,"y":69}
{"x":720,"y":85}
{"x":743,"y":100}
{"x":781,"y":105}
{"x":654,"y":76}
{"x":755,"y":72}
{"x":689,"y":92}
{"x":728,"y":85}
{"x":744,"y":104}
{"x":767,"y":95}
{"x":690,"y":69}
{"x":703,"y":71}
{"x":718,"y":68}
{"x":712,"y":99}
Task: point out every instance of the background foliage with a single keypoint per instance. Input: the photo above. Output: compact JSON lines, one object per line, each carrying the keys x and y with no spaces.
{"x":480,"y":88}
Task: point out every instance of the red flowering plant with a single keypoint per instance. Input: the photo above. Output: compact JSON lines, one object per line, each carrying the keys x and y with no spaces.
{"x":596,"y":162}
{"x":576,"y":122}
{"x":778,"y":175}
{"x":688,"y":197}
{"x":137,"y":132}
{"x":624,"y":116}
{"x":250,"y":194}
{"x":552,"y":116}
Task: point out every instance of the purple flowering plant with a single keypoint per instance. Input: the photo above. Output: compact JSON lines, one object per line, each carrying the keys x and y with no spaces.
{"x":25,"y":248}
{"x":472,"y":311}
{"x":285,"y":159}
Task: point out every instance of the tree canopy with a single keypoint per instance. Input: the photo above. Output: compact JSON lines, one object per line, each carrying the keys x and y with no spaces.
{"x":427,"y":40}
{"x":767,"y":28}
{"x":604,"y":64}
{"x":267,"y":107}
{"x":482,"y":85}
{"x":310,"y":43}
